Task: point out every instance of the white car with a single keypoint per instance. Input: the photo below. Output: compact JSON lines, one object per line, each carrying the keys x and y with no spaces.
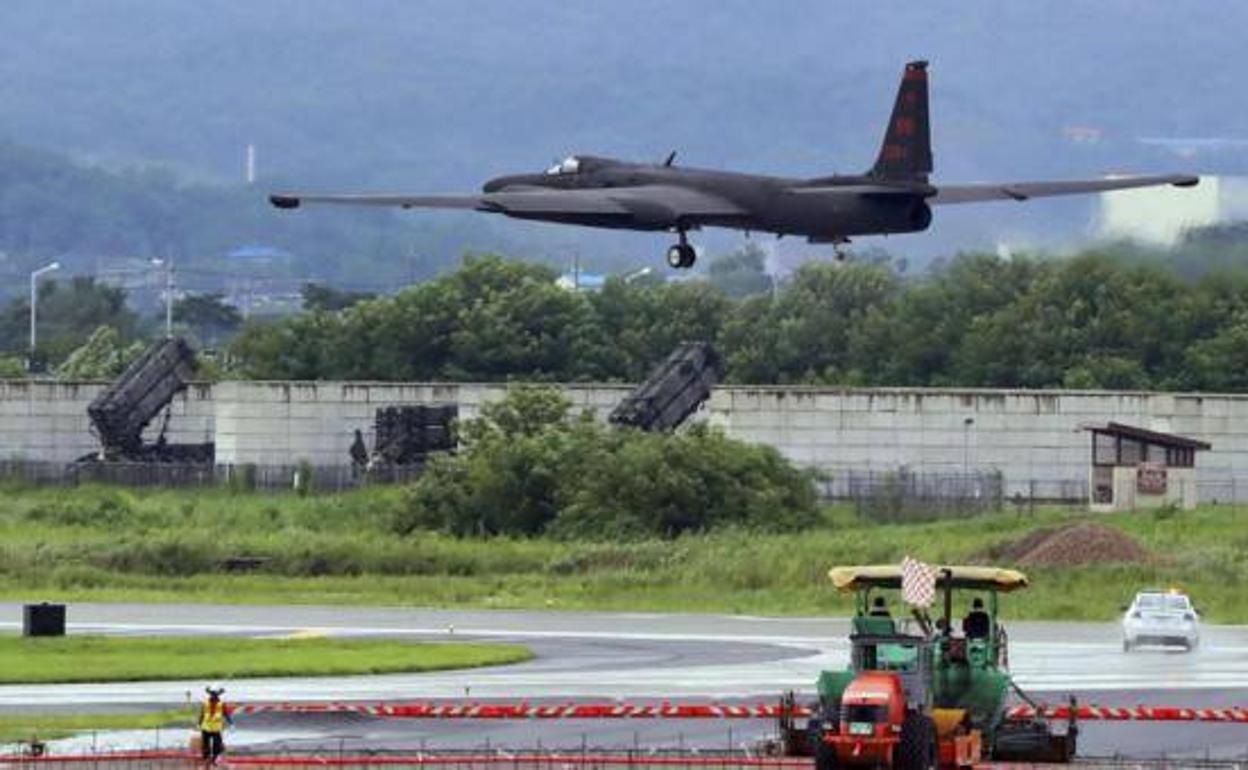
{"x":1161,"y":618}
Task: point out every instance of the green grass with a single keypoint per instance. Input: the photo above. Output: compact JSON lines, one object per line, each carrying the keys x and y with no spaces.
{"x":46,"y":727}
{"x":119,"y":658}
{"x":106,"y":544}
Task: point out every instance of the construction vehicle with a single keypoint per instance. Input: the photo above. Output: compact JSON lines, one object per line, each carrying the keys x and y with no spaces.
{"x":672,"y":392}
{"x":918,"y":694}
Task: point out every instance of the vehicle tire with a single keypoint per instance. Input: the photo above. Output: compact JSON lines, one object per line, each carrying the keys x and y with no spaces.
{"x":689,"y":257}
{"x":917,"y":748}
{"x":675,"y":257}
{"x":825,"y":756}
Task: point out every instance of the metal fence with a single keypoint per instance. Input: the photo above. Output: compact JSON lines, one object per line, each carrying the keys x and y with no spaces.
{"x":535,"y":759}
{"x":301,"y":477}
{"x":883,"y":496}
{"x":911,"y":496}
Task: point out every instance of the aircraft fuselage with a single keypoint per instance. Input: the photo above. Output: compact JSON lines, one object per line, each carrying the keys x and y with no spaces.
{"x":831,"y":208}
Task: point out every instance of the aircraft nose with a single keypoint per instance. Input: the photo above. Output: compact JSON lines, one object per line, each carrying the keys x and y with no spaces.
{"x":503,"y":182}
{"x":498,"y":183}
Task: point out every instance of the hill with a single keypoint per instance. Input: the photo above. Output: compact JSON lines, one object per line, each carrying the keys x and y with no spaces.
{"x":442,"y":94}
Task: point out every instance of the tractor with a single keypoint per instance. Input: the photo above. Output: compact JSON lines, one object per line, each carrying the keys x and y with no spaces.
{"x":919,"y":694}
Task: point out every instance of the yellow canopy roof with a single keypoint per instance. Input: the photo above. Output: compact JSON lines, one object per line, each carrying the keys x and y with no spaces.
{"x":848,"y":579}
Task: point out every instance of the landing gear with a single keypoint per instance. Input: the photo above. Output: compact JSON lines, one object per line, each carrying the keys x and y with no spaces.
{"x":838,"y":245}
{"x":680,"y":256}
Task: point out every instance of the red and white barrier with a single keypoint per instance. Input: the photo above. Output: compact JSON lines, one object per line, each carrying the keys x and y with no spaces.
{"x":1131,"y":713}
{"x":525,"y":710}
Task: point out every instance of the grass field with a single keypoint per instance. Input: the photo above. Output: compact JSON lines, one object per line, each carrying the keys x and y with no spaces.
{"x":46,"y":727}
{"x":104,"y":544}
{"x":124,"y":658}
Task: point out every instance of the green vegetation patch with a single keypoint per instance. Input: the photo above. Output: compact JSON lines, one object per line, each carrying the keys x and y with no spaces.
{"x":96,"y":543}
{"x":47,"y":727}
{"x":116,"y":659}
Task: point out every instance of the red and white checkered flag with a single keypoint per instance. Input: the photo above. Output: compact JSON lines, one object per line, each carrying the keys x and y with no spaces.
{"x":918,"y":583}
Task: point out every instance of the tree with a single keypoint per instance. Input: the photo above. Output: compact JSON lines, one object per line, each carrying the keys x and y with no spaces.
{"x":807,"y":332}
{"x":529,"y":467}
{"x":742,"y":272}
{"x":103,"y":356}
{"x":208,"y":317}
{"x":68,"y":314}
{"x":318,"y":296}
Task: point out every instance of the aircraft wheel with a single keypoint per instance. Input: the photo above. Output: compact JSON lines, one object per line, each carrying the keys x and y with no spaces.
{"x":681,"y":256}
{"x":675,"y":257}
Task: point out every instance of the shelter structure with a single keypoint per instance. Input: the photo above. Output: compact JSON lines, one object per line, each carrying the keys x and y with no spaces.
{"x":1136,"y":468}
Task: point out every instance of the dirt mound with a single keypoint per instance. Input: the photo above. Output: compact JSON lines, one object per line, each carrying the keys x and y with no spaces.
{"x":1072,"y":545}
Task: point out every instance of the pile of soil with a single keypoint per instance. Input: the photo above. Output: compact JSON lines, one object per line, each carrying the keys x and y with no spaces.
{"x":1072,"y":545}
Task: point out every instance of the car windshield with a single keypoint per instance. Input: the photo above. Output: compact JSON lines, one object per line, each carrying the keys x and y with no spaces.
{"x":569,"y":165}
{"x":1162,"y":602}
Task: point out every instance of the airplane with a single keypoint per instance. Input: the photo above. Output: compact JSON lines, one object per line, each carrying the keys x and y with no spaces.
{"x":894,"y":196}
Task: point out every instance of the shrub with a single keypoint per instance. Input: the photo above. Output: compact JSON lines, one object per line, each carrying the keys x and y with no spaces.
{"x":529,"y":468}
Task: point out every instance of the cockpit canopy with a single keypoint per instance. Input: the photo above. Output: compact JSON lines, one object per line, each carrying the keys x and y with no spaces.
{"x":569,"y":165}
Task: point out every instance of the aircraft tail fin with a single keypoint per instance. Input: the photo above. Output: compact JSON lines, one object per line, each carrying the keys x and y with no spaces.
{"x":907,"y":150}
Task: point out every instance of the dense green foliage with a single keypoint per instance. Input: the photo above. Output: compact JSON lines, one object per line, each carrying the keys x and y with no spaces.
{"x":207,"y":318}
{"x":102,"y":357}
{"x":526,"y":467}
{"x":1100,"y":319}
{"x":69,"y":312}
{"x":105,"y":544}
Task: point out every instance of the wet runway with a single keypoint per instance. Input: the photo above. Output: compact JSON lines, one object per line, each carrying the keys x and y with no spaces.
{"x":644,"y":656}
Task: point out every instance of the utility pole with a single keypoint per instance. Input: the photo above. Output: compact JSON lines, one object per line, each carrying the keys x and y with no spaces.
{"x":34,"y":300}
{"x":169,"y":299}
{"x":168,"y":265}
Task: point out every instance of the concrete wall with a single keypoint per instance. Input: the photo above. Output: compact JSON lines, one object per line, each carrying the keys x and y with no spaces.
{"x":47,"y":420}
{"x":1030,"y":436}
{"x":285,"y":423}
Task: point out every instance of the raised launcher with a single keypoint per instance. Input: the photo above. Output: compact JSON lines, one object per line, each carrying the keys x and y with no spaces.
{"x":406,"y":435}
{"x":674,"y":390}
{"x":125,"y":408}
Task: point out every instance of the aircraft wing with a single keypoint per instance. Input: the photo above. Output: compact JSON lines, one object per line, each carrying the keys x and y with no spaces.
{"x":1021,"y":191}
{"x":295,"y":200}
{"x":646,"y":201}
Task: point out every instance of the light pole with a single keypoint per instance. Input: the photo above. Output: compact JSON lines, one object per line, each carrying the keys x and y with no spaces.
{"x":34,"y":300}
{"x":635,"y":274}
{"x":966,"y":445}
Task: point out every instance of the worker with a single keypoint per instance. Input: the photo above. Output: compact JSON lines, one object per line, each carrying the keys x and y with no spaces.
{"x":214,"y":715}
{"x":976,"y":624}
{"x":879,"y":609}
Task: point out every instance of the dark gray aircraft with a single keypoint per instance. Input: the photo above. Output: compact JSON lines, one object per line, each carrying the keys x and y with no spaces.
{"x":893,"y":197}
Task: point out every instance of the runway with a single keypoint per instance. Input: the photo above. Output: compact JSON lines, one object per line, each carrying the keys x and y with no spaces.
{"x":605,"y":656}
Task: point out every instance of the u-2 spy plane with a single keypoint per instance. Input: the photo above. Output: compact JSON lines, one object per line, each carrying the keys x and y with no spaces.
{"x":894,"y":196}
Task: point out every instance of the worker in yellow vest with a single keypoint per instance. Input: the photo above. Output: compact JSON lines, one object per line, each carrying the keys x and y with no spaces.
{"x":214,"y":715}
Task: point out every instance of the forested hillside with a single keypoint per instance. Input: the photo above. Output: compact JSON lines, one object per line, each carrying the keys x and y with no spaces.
{"x":54,"y":208}
{"x":442,"y":94}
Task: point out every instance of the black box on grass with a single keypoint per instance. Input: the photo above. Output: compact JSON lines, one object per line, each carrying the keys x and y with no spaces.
{"x":43,"y":620}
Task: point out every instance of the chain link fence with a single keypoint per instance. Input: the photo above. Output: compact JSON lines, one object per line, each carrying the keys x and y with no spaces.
{"x":300,"y":477}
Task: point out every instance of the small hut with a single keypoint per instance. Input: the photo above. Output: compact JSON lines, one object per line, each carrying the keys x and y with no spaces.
{"x":1135,"y":468}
